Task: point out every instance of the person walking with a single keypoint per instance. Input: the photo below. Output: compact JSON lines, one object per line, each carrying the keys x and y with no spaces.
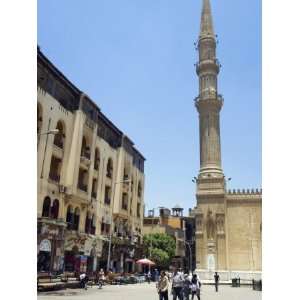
{"x":195,"y":287}
{"x":101,"y":278}
{"x":163,"y":286}
{"x":217,"y":279}
{"x":148,"y":276}
{"x":177,"y":285}
{"x":186,"y":287}
{"x":83,"y":281}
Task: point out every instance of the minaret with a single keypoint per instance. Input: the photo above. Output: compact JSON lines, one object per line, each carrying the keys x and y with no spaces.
{"x":208,"y":102}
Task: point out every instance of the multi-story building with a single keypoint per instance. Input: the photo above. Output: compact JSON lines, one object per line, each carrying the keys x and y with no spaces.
{"x":90,"y":181}
{"x":170,"y":224}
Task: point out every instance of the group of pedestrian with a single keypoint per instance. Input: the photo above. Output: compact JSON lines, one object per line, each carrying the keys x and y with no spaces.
{"x":181,"y":286}
{"x":84,"y":279}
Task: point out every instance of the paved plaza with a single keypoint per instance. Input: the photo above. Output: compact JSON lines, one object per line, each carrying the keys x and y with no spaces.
{"x":147,"y":292}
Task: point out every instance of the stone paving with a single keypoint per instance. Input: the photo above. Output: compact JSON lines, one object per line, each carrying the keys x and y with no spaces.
{"x":147,"y":292}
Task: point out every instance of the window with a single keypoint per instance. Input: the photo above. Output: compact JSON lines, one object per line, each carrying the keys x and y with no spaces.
{"x":55,"y":209}
{"x":94,"y":188}
{"x":46,"y":207}
{"x":87,"y":223}
{"x":126,"y":173}
{"x":60,"y":136}
{"x":55,"y":168}
{"x":109,"y":168}
{"x":107,"y":195}
{"x":82,"y":179}
{"x":70,"y":217}
{"x":39,"y":119}
{"x":139,"y":190}
{"x":93,"y":225}
{"x":97,"y":159}
{"x":76,"y":219}
{"x":125,"y":201}
{"x":138,"y":210}
{"x":85,"y":149}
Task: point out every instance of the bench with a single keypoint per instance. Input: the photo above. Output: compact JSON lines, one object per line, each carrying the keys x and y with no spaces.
{"x":49,"y":283}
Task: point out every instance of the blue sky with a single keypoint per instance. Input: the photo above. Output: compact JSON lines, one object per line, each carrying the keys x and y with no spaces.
{"x":135,"y":59}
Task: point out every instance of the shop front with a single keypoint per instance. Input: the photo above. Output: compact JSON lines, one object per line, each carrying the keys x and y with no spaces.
{"x":81,"y":252}
{"x":124,"y":255}
{"x":50,"y":245}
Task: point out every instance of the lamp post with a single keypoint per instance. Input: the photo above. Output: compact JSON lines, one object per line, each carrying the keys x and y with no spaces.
{"x":190,"y":250}
{"x":111,"y":222}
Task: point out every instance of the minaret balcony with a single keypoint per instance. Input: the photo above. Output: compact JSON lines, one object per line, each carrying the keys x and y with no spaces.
{"x":208,"y":65}
{"x":209,"y":100}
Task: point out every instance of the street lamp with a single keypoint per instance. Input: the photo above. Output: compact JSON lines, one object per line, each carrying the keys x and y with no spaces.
{"x":190,"y":250}
{"x":52,"y":131}
{"x":111,"y":222}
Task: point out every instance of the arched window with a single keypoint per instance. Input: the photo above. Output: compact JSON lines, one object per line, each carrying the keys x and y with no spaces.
{"x":93,"y":225}
{"x":126,"y":173}
{"x":46,"y":207}
{"x":97,"y":159}
{"x":55,"y":168}
{"x":59,"y":138}
{"x":85,"y":149}
{"x":70,"y":217}
{"x":88,"y":223}
{"x":76,"y":219}
{"x":109,"y":168}
{"x":55,"y":209}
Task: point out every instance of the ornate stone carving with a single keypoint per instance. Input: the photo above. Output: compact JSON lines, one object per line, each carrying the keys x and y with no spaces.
{"x":210,"y":225}
{"x":220,"y":220}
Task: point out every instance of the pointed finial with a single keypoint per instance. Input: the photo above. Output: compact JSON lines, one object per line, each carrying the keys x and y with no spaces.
{"x":206,"y":19}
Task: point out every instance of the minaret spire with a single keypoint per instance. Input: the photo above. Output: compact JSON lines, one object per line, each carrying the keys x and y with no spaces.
{"x":208,"y":102}
{"x":206,"y":19}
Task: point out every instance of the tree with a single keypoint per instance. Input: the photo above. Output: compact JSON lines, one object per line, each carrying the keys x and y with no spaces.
{"x":162,"y":248}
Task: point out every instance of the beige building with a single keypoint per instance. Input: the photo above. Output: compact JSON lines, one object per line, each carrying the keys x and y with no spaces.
{"x":170,"y":224}
{"x":90,"y":176}
{"x":228,"y":223}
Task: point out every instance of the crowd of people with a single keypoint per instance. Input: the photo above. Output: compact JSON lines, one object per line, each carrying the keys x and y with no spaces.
{"x":181,"y":285}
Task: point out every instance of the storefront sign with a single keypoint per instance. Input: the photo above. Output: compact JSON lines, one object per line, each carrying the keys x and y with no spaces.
{"x":45,"y":245}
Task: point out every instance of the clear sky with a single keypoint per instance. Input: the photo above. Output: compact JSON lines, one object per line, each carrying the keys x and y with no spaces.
{"x":135,"y":59}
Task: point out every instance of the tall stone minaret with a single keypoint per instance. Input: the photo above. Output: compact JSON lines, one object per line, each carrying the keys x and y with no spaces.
{"x":210,"y":189}
{"x":208,"y":102}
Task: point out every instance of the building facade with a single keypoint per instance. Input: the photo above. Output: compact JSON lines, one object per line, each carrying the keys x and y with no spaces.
{"x":228,"y":223}
{"x":90,"y":181}
{"x":172,"y":225}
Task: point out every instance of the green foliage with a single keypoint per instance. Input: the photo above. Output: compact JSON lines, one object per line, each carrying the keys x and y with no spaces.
{"x":162,"y":250}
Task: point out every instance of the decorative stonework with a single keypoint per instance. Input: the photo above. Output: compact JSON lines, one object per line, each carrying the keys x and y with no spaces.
{"x":220,"y":221}
{"x":210,"y":225}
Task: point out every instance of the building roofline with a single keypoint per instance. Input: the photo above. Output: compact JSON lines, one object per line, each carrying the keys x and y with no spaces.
{"x":42,"y":57}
